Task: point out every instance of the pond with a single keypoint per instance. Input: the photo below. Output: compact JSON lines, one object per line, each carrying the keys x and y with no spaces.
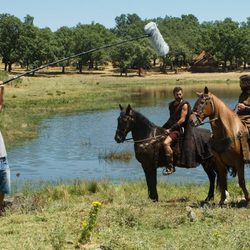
{"x":69,"y":147}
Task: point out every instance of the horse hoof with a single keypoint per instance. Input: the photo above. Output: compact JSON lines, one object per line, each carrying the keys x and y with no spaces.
{"x":247,"y":203}
{"x":223,"y":204}
{"x":204,"y":204}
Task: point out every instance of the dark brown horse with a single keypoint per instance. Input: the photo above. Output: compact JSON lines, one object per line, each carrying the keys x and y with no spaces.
{"x":227,"y":130}
{"x":148,"y":145}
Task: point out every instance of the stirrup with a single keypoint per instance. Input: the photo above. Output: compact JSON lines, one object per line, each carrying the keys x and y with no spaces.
{"x":168,"y":171}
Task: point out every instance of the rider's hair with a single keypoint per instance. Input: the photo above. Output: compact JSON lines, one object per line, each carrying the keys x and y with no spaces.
{"x":177,"y":89}
{"x":245,"y":82}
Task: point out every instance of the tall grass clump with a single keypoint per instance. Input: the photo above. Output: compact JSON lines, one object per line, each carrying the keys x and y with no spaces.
{"x":116,"y":156}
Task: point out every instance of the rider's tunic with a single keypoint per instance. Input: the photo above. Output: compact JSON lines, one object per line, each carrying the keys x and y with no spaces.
{"x":175,"y":109}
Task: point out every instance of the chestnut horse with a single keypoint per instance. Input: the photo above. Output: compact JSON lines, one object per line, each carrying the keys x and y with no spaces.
{"x":227,"y":130}
{"x":148,"y":145}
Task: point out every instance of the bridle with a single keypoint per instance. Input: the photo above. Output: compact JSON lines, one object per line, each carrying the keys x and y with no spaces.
{"x":127,"y":119}
{"x":123,"y":132}
{"x":199,"y":110}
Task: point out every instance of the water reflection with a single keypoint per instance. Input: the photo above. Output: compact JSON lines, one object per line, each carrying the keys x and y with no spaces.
{"x":68,"y":146}
{"x":153,"y":96}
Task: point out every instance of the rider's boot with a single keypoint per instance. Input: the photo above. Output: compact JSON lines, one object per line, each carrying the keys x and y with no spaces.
{"x":170,"y":165}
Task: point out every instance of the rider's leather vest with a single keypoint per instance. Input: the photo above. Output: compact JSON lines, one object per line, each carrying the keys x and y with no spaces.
{"x":175,"y":114}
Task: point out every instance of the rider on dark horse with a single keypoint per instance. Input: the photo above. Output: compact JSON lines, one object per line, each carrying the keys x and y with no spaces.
{"x":179,"y":113}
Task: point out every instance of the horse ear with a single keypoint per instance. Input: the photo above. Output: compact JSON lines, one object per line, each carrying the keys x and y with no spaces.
{"x":206,"y":90}
{"x":198,"y":94}
{"x":121,"y":108}
{"x":128,"y":110}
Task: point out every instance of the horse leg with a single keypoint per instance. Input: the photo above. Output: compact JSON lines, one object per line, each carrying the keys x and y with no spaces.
{"x":242,"y":184}
{"x":208,"y":168}
{"x":151,"y":179}
{"x":221,"y":171}
{"x":222,"y":179}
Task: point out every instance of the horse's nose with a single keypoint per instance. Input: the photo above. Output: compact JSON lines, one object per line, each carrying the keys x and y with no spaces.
{"x":117,"y":138}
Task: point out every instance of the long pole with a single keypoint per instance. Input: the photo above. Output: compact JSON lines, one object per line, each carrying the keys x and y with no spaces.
{"x":73,"y":56}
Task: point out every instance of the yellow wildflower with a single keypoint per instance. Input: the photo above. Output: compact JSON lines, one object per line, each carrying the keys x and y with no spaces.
{"x":96,"y":203}
{"x":84,"y":224}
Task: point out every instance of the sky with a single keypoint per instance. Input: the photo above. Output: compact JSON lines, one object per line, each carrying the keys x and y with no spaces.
{"x":57,"y":13}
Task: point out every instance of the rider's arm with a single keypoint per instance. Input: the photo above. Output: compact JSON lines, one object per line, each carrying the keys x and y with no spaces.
{"x":184,"y":113}
{"x":243,"y":109}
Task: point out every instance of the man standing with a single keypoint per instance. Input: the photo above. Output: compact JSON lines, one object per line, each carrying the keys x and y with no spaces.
{"x":179,"y":110}
{"x":4,"y":167}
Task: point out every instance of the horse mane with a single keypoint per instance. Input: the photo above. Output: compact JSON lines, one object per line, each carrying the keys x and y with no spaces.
{"x":228,"y":117}
{"x":143,"y":119}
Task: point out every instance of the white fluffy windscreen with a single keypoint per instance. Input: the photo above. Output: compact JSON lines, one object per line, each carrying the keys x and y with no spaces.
{"x":156,"y":39}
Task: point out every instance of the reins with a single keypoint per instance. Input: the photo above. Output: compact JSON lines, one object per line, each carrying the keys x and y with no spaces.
{"x":144,"y":140}
{"x":155,"y":137}
{"x":211,"y":120}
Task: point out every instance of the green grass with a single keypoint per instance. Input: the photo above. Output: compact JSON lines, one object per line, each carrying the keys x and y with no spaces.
{"x":50,"y":218}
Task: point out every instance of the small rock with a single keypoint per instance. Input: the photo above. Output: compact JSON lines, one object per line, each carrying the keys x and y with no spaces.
{"x":191,"y":214}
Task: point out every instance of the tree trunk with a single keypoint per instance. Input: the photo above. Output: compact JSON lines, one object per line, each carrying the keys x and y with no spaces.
{"x":96,"y":65}
{"x":245,"y":64}
{"x":91,"y":64}
{"x":9,"y":67}
{"x":80,"y":67}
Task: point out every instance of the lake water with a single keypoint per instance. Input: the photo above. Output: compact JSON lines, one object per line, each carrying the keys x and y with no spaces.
{"x":68,"y":147}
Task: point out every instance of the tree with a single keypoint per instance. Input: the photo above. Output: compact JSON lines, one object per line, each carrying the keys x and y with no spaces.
{"x":10,"y":31}
{"x":183,"y":35}
{"x":242,"y":50}
{"x":44,"y":48}
{"x":29,"y":20}
{"x":65,"y":44}
{"x":28,"y":38}
{"x":122,"y":57}
{"x":137,"y":54}
{"x":141,"y":58}
{"x":88,"y":37}
{"x":225,"y":40}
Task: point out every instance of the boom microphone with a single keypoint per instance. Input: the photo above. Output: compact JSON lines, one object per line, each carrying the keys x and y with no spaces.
{"x":156,"y":39}
{"x":151,"y":30}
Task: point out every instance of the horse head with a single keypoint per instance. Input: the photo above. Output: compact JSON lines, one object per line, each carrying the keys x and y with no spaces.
{"x":124,"y":123}
{"x":203,"y":108}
